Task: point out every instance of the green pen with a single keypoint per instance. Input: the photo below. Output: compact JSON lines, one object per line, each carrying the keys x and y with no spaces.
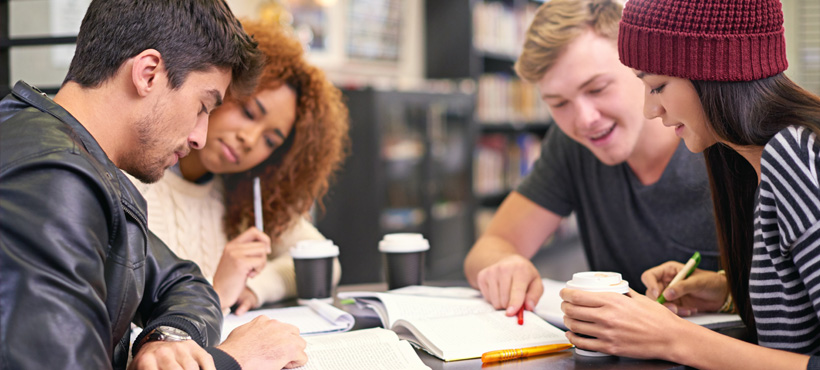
{"x":684,"y":273}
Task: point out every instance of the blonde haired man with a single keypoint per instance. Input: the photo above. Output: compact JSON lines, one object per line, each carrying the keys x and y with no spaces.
{"x":623,"y":175}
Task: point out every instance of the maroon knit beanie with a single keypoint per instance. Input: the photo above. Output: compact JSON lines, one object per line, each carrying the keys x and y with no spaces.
{"x":711,"y":40}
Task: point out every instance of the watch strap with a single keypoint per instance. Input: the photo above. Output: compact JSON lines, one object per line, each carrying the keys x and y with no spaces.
{"x":163,"y":333}
{"x":175,"y":321}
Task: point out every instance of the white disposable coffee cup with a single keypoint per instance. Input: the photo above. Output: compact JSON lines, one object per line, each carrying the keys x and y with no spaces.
{"x":313,"y":265}
{"x":597,"y":281}
{"x":403,"y":259}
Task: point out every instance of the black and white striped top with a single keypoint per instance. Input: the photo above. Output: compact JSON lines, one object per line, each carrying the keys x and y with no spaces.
{"x":785,"y":276}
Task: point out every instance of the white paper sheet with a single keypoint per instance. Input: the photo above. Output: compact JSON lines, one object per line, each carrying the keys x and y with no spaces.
{"x":314,"y":318}
{"x":371,"y":349}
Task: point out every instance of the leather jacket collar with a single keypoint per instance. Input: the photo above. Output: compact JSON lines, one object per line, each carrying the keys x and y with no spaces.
{"x":38,"y":99}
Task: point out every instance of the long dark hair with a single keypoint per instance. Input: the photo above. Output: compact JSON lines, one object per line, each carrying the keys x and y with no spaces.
{"x":746,"y":114}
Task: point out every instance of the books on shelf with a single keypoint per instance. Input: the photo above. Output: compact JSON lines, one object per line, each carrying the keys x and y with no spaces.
{"x":361,"y":349}
{"x":314,"y":318}
{"x":503,"y":98}
{"x":500,"y":29}
{"x":373,"y":30}
{"x":502,"y":162}
{"x":455,"y":328}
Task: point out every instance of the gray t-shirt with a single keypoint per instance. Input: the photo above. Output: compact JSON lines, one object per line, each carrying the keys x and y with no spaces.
{"x":626,"y":226}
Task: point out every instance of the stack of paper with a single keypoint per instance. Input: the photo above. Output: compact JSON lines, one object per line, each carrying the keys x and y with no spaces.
{"x":314,"y":318}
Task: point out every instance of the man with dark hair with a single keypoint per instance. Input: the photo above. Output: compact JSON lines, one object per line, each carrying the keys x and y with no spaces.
{"x":77,"y":262}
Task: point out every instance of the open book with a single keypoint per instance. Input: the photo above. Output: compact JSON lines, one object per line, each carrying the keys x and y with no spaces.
{"x":314,"y":318}
{"x":549,"y":307}
{"x":361,"y":349}
{"x":456,"y":328}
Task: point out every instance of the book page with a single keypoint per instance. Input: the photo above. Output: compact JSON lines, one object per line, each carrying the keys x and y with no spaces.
{"x":306,"y":318}
{"x":462,"y":337}
{"x":435,"y":291}
{"x":549,"y":308}
{"x":332,"y":314}
{"x":377,"y":349}
{"x":401,"y":306}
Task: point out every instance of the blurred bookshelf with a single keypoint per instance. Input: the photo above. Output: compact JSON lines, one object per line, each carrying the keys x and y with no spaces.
{"x":503,"y":99}
{"x":409,"y":171}
{"x":466,"y":38}
{"x":373,"y":29}
{"x":480,"y":40}
{"x":501,"y":161}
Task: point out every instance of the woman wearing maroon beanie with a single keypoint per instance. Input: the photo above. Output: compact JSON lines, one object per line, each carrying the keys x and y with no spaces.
{"x":713,"y":72}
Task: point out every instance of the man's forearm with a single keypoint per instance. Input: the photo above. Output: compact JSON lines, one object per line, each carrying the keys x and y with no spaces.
{"x":176,"y":290}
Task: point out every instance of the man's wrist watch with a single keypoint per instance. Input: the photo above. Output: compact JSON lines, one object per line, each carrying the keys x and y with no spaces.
{"x":165,"y":333}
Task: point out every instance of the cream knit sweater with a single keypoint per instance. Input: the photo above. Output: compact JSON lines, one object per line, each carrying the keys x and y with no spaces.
{"x":188,"y":218}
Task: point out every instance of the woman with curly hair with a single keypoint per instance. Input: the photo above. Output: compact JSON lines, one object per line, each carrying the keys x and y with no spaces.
{"x":292,"y":133}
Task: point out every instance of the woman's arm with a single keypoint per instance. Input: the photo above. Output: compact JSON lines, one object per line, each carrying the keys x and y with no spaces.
{"x":635,"y":326}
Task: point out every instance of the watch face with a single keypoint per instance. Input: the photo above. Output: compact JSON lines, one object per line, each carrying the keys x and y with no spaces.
{"x":172,"y":334}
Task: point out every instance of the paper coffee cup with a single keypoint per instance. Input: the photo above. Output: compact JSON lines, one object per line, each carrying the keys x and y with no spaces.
{"x":313,"y":264}
{"x":403,"y":259}
{"x":597,"y":281}
{"x":403,"y":243}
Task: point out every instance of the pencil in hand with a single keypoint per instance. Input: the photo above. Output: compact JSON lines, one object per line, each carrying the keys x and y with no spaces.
{"x":687,"y":270}
{"x":257,"y":204}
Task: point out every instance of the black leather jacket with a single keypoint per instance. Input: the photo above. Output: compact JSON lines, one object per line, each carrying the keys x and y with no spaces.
{"x":77,"y":262}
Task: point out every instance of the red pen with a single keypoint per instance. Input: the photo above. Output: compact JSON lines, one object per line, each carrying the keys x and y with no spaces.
{"x":521,"y":316}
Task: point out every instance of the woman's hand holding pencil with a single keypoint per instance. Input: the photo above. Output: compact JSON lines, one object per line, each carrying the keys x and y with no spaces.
{"x":702,"y":291}
{"x":242,"y":258}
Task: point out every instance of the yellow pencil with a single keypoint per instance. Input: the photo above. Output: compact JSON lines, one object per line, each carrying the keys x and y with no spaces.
{"x":511,"y":354}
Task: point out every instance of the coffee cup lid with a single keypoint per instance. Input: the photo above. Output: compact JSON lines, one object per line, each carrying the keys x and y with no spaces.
{"x":403,"y":236}
{"x":404,"y":245}
{"x":314,"y":249}
{"x":598,"y":281}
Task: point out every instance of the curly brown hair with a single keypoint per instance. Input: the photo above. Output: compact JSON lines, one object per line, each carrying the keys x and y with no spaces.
{"x":299,"y":171}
